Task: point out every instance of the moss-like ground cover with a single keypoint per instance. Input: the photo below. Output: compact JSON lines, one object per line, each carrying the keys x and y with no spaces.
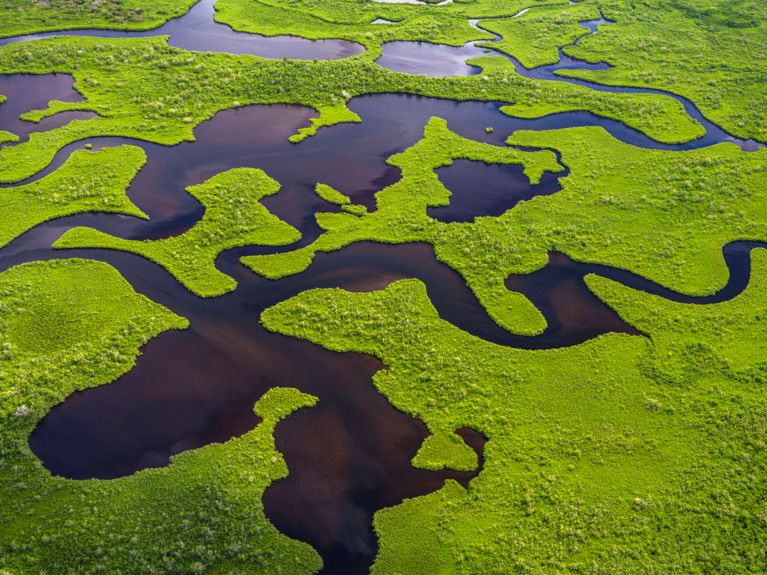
{"x":625,"y":454}
{"x":72,"y":324}
{"x":19,"y":17}
{"x":234,"y":217}
{"x":87,"y":182}
{"x":620,"y":455}
{"x":145,"y":89}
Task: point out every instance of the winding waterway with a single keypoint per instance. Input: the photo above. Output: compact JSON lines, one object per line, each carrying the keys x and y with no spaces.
{"x":199,"y":32}
{"x":349,"y":456}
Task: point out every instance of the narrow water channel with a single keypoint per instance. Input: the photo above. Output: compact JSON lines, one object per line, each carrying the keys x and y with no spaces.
{"x":349,"y":456}
{"x":199,"y":32}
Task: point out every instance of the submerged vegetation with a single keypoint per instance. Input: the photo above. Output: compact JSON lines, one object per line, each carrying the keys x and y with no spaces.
{"x":626,"y":454}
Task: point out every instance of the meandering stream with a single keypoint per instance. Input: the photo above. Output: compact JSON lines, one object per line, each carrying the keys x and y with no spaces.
{"x":195,"y":387}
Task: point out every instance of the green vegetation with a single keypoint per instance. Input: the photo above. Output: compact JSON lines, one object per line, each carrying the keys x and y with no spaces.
{"x":332,"y":196}
{"x":87,"y":182}
{"x":72,"y":324}
{"x":234,"y":217}
{"x":535,"y":37}
{"x":145,"y":89}
{"x":19,"y":17}
{"x":664,"y":215}
{"x":445,"y":451}
{"x":620,"y":455}
{"x":400,"y":217}
{"x":709,"y":51}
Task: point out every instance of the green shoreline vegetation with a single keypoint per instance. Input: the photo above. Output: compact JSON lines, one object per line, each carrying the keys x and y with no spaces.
{"x":591,"y":448}
{"x":234,"y":217}
{"x":626,"y":454}
{"x":87,"y":182}
{"x":72,"y":324}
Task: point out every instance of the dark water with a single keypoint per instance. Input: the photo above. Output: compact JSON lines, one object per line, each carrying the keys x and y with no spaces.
{"x":480,"y":189}
{"x":197,"y":31}
{"x":442,"y":60}
{"x":349,"y":456}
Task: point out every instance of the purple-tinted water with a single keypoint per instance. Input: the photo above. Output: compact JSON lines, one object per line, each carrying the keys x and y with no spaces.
{"x":195,"y":387}
{"x":198,"y":31}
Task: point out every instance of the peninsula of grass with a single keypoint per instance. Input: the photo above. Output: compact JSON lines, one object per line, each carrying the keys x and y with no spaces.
{"x":664,"y":215}
{"x":144,"y":89}
{"x":86,"y":182}
{"x":536,"y":36}
{"x":620,"y":455}
{"x":68,"y":325}
{"x":234,"y":217}
{"x":18,"y":17}
{"x":710,"y":51}
{"x":401,"y":217}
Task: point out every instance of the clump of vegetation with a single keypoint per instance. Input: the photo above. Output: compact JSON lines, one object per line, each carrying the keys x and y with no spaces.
{"x":332,"y":196}
{"x":577,"y":465}
{"x":19,"y":17}
{"x":445,"y":451}
{"x":67,"y":325}
{"x":87,"y":182}
{"x":234,"y":217}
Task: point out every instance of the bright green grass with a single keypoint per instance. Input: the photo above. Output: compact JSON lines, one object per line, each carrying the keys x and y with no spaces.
{"x":144,"y":89}
{"x":444,"y":450}
{"x":710,"y":51}
{"x":26,"y":17}
{"x":401,"y":217}
{"x":621,"y":455}
{"x":73,"y":324}
{"x":535,"y":37}
{"x":664,"y":215}
{"x":332,"y":196}
{"x":234,"y":217}
{"x":87,"y":182}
